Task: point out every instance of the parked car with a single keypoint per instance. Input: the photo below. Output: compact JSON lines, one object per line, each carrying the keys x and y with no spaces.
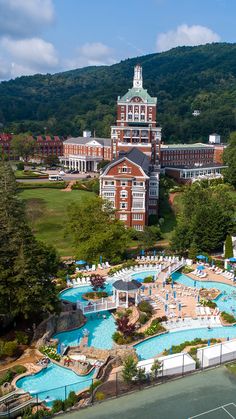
{"x":55,"y":178}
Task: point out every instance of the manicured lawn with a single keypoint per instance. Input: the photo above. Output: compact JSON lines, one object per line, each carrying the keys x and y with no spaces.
{"x":47,"y":214}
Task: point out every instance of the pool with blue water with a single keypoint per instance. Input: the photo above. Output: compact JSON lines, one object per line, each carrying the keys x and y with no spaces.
{"x":100,"y":327}
{"x":139,"y":276}
{"x":76,"y":293}
{"x":226,"y":301}
{"x":45,"y":384}
{"x":154,"y":346}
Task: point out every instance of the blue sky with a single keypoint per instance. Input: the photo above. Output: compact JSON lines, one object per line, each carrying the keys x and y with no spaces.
{"x":55,"y":35}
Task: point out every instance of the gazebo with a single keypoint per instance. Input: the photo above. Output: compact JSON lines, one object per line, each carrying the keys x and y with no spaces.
{"x":127,"y":288}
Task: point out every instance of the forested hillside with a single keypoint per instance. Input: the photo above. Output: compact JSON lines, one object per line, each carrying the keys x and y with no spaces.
{"x":183,"y":79}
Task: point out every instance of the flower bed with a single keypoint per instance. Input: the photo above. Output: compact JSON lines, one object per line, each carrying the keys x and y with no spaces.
{"x":51,"y":352}
{"x":94,"y":295}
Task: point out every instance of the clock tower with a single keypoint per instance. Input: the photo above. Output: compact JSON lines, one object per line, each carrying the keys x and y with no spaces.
{"x":138,"y":78}
{"x":136,"y":120}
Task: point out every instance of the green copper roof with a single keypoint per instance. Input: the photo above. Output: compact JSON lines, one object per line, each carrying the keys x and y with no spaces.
{"x":140,"y":92}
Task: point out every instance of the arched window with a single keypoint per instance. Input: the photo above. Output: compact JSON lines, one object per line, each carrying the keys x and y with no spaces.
{"x":123,"y":194}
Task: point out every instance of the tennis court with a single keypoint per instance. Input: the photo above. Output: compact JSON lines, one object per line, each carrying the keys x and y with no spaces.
{"x":222,"y":412}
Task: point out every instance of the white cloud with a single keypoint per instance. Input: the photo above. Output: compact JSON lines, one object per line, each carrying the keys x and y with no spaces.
{"x":186,"y":35}
{"x":29,"y":56}
{"x":24,"y":17}
{"x":94,"y":53}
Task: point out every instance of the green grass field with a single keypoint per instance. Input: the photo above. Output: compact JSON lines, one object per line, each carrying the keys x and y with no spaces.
{"x":47,"y":214}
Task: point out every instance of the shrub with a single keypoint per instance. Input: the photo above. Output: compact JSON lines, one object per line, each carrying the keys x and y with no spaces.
{"x":7,"y":377}
{"x":10,"y":348}
{"x":51,"y":352}
{"x":100,"y":396}
{"x":143,"y":318}
{"x":148,"y":279}
{"x":19,"y":369}
{"x":145,"y":307}
{"x":20,"y":166}
{"x":57,"y":406}
{"x":95,"y":295}
{"x":71,"y":400}
{"x":130,"y":370}
{"x":21,"y":337}
{"x":228,"y":317}
{"x":154,"y":328}
{"x":43,"y":185}
{"x":94,"y":385}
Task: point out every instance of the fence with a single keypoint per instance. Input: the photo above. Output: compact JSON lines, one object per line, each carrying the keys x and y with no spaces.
{"x":172,"y":367}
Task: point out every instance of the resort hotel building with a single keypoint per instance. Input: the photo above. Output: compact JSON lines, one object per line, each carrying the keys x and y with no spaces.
{"x":131,"y":180}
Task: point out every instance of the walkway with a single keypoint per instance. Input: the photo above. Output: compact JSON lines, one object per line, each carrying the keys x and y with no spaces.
{"x":180,"y":399}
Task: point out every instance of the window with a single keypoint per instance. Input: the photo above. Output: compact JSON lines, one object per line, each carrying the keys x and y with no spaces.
{"x":123,"y":217}
{"x":123,"y":205}
{"x":153,"y":192}
{"x":138,"y":195}
{"x":138,"y":227}
{"x":152,"y":202}
{"x":124,"y":169}
{"x":123,"y":183}
{"x":108,"y":194}
{"x":137,"y":183}
{"x":137,"y":216}
{"x":138,"y":204}
{"x":123,"y":194}
{"x":109,"y":182}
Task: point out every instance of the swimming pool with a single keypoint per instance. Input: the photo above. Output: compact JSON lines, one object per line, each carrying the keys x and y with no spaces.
{"x":142,"y":275}
{"x":75,"y":294}
{"x":100,"y":332}
{"x":157,"y":344}
{"x":226,"y":301}
{"x":44,"y":382}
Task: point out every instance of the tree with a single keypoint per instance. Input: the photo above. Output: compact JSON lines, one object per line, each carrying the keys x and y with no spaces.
{"x":26,"y":265}
{"x":193,"y":250}
{"x":95,"y":231}
{"x":155,"y":368}
{"x":206,"y":217}
{"x":150,"y":236}
{"x":130,"y":369}
{"x":229,"y":158}
{"x":124,"y":326}
{"x":23,"y":146}
{"x":102,"y":164}
{"x":51,"y":160}
{"x":228,"y":247}
{"x":97,"y":281}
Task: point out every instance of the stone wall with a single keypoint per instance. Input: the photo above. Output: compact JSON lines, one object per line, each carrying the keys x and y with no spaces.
{"x":119,"y":353}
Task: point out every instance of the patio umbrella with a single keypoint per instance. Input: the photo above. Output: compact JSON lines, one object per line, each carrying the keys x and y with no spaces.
{"x":232,"y":260}
{"x":142,"y":252}
{"x":172,"y":284}
{"x":195,"y":283}
{"x":154,"y":252}
{"x":201,"y":257}
{"x":174,"y":294}
{"x":180,"y":307}
{"x":80,"y":262}
{"x":167,"y":296}
{"x":209,"y":342}
{"x":100,"y":259}
{"x":166,"y":307}
{"x":200,"y":267}
{"x":150,"y":291}
{"x":164,"y":284}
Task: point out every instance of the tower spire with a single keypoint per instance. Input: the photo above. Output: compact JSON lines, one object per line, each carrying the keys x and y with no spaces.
{"x":138,"y":78}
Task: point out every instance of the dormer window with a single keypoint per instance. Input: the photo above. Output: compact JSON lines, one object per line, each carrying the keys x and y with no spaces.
{"x":124,"y":169}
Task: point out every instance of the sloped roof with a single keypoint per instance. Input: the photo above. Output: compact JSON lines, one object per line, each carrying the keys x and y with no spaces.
{"x":121,"y":285}
{"x":85,"y":140}
{"x":140,"y":92}
{"x":134,"y":155}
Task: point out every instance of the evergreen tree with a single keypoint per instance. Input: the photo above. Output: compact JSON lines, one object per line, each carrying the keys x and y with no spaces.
{"x":229,"y":158}
{"x":26,"y":266}
{"x":228,"y":247}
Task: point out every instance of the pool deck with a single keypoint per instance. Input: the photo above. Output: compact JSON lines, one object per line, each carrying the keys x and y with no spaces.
{"x":211,"y":276}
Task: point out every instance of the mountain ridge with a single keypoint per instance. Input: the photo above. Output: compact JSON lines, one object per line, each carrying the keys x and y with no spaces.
{"x":183,"y":79}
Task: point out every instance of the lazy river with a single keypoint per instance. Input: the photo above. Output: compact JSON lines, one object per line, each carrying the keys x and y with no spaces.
{"x":43,"y":384}
{"x":226,"y":301}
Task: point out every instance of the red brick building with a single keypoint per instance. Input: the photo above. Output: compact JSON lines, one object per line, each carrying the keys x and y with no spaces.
{"x":44,"y":146}
{"x":132,"y":186}
{"x":84,"y":153}
{"x":136,"y":120}
{"x":171,"y":155}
